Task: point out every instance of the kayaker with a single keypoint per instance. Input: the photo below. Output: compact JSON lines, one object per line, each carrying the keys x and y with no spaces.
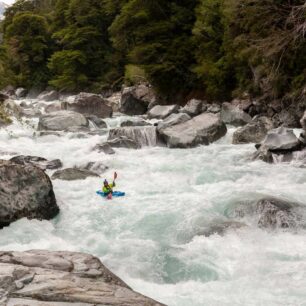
{"x":108,"y":188}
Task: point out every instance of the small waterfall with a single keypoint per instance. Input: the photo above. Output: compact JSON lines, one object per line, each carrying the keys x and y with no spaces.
{"x":92,"y":125}
{"x":146,"y":136}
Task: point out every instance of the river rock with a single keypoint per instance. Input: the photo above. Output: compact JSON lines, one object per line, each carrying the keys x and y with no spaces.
{"x":281,"y":139}
{"x":25,"y":192}
{"x":203,"y":129}
{"x":62,"y":120}
{"x":40,"y":162}
{"x":220,"y":228}
{"x":135,"y":122}
{"x":213,"y":108}
{"x":135,"y":100}
{"x":173,"y":119}
{"x":105,"y":148}
{"x":98,"y":122}
{"x":124,"y":142}
{"x":97,"y":167}
{"x":193,"y":107}
{"x":231,"y":114}
{"x":143,"y":136}
{"x":162,"y":111}
{"x":49,"y":96}
{"x":51,"y":106}
{"x":21,"y":92}
{"x":253,"y":132}
{"x":89,"y":104}
{"x":45,"y":278}
{"x":72,"y":174}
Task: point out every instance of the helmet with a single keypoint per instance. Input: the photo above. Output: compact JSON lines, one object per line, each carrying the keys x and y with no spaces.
{"x":105,"y":182}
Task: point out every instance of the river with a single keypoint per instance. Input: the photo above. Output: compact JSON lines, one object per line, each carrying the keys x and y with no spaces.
{"x":150,"y":238}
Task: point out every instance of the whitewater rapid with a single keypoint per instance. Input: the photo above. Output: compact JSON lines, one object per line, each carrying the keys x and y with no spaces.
{"x":150,"y":238}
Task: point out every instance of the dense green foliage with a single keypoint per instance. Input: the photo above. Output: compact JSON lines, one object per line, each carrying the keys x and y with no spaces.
{"x":219,"y":48}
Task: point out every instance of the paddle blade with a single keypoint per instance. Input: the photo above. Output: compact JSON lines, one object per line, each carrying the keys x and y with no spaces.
{"x":115,"y":175}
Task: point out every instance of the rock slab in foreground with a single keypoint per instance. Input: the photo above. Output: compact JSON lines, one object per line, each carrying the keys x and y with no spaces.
{"x":62,"y":278}
{"x":203,"y":129}
{"x":25,"y":192}
{"x":61,"y":121}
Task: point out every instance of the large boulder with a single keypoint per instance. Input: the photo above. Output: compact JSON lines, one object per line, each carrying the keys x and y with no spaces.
{"x":142,"y":136}
{"x":89,"y":104}
{"x":231,"y":114}
{"x":97,"y":167}
{"x":253,"y":132}
{"x":104,"y":148}
{"x":25,"y":192}
{"x":173,"y":119}
{"x":136,"y":100}
{"x":193,"y":107}
{"x":203,"y":129}
{"x":37,"y":161}
{"x":72,"y":174}
{"x":281,"y":139}
{"x":49,"y":96}
{"x":44,"y":278}
{"x":134,"y":122}
{"x":162,"y":111}
{"x":62,"y":120}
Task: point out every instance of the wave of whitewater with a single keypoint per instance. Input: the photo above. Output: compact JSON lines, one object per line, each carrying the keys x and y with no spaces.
{"x":149,"y":238}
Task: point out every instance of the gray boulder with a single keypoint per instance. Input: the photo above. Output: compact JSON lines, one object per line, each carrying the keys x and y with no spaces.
{"x":72,"y":174}
{"x":25,"y":192}
{"x":162,"y":111}
{"x":40,"y":162}
{"x":21,"y":92}
{"x":144,"y":136}
{"x":136,"y":100}
{"x":203,"y":129}
{"x":193,"y":107}
{"x":44,"y":278}
{"x":281,"y":139}
{"x":173,"y":119}
{"x":89,"y":104}
{"x":123,"y":142}
{"x":231,"y":114}
{"x":253,"y":132}
{"x":48,"y":96}
{"x":104,"y":148}
{"x":97,"y":167}
{"x":213,"y":108}
{"x":62,"y":120}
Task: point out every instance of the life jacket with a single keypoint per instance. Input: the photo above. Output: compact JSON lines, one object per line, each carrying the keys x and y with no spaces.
{"x":109,"y":188}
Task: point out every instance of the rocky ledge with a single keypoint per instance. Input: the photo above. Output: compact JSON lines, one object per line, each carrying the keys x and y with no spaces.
{"x":62,"y":279}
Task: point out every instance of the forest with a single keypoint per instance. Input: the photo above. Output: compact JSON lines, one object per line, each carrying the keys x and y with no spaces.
{"x":213,"y":49}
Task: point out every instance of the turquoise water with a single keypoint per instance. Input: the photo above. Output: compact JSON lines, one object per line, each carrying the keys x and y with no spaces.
{"x":150,"y":237}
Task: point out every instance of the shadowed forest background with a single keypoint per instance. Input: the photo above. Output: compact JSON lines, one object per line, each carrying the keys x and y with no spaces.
{"x":216,"y":49}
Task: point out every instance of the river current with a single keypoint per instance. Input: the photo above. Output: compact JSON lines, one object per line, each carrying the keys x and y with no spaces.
{"x":151,"y":238}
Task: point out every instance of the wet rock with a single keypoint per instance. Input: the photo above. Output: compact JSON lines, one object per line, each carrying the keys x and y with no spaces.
{"x":63,"y":278}
{"x":203,"y":129}
{"x":98,"y":122}
{"x":104,"y":148}
{"x":8,"y":91}
{"x":253,"y":132}
{"x":286,"y":118}
{"x":114,"y":101}
{"x":52,"y":107}
{"x":231,"y":114}
{"x":25,"y":192}
{"x":62,"y":120}
{"x":123,"y":142}
{"x":264,"y":155}
{"x":89,"y":104}
{"x":220,"y":228}
{"x":40,"y":162}
{"x":49,"y":96}
{"x":193,"y":107}
{"x":71,"y":174}
{"x":3,"y":97}
{"x":97,"y":167}
{"x":213,"y":108}
{"x":21,"y":92}
{"x":162,"y":111}
{"x":172,"y":120}
{"x":136,"y":100}
{"x":281,"y":139}
{"x":276,"y":213}
{"x":142,"y":136}
{"x":137,"y":122}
